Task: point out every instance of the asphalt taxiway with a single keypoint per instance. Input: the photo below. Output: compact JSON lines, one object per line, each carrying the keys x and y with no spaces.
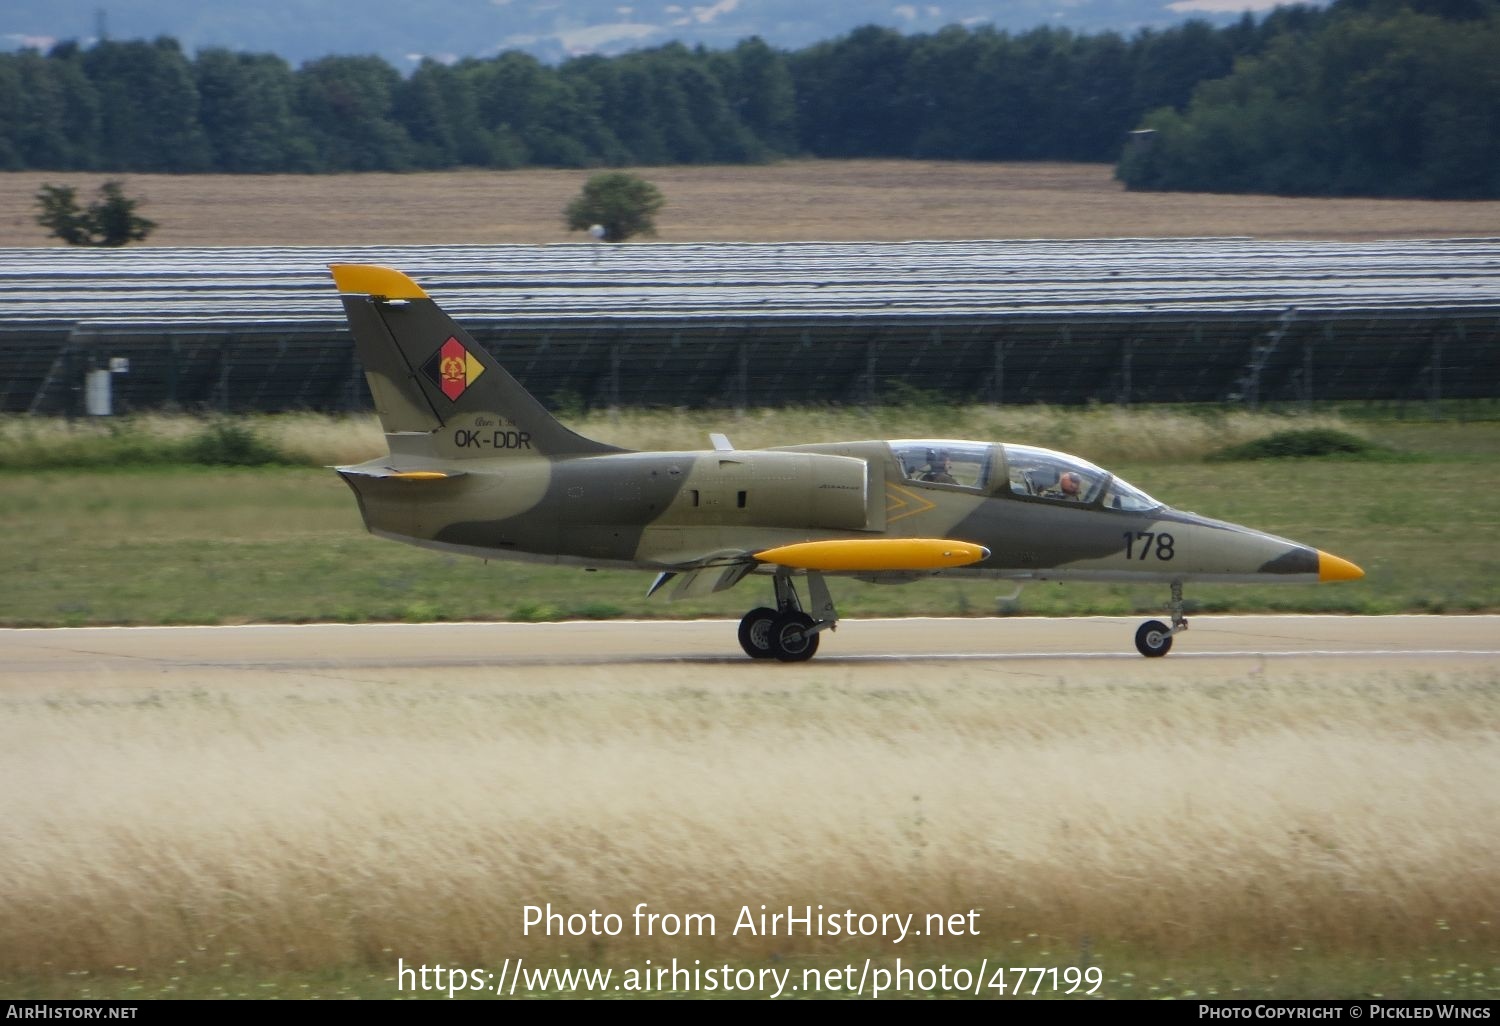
{"x":1214,"y":646}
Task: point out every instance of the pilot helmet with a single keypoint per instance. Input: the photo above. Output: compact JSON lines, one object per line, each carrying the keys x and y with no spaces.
{"x":1070,"y":483}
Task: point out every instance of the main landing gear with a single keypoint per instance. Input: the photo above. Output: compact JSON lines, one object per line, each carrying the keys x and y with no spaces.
{"x":1154,"y":638}
{"x":788,"y":633}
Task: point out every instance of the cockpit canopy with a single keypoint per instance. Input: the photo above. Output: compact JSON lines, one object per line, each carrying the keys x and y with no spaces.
{"x":940,"y":461}
{"x":1024,"y":470}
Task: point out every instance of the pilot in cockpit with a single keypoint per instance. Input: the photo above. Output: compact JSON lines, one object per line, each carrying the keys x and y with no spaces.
{"x":939,"y":468}
{"x":1069,"y":486}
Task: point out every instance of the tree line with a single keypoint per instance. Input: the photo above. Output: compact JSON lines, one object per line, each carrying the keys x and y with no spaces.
{"x":1367,"y":96}
{"x":960,"y":93}
{"x":1389,"y":99}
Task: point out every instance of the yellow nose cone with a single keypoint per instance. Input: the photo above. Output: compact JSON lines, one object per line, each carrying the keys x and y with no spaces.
{"x":1332,"y":568}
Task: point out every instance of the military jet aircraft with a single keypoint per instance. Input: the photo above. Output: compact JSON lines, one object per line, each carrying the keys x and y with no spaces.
{"x":478,"y":466}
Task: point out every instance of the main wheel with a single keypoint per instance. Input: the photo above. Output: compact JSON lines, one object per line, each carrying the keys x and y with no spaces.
{"x":755,"y":632}
{"x":1154,"y":638}
{"x":792,"y":640}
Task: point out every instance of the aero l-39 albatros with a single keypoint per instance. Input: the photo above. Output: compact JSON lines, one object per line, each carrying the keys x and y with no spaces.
{"x":478,"y":466}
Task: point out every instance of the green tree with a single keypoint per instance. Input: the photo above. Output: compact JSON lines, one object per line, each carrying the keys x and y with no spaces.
{"x":109,"y":221}
{"x":148,"y":106}
{"x":245,"y":108}
{"x":347,"y":105}
{"x":625,"y":96}
{"x":530,"y":105}
{"x":850,"y":95}
{"x":55,"y":111}
{"x":759,"y":88}
{"x":438,"y":107}
{"x":1405,"y":105}
{"x":620,"y":203}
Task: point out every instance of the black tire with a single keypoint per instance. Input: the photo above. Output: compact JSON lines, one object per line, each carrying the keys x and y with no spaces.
{"x":791,"y":641}
{"x":1153,"y":639}
{"x":755,"y":632}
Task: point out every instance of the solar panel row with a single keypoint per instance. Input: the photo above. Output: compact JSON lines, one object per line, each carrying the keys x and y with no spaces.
{"x":1122,"y":320}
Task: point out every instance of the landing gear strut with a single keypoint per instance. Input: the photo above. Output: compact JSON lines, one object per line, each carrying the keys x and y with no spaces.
{"x":1154,"y":638}
{"x":788,"y":633}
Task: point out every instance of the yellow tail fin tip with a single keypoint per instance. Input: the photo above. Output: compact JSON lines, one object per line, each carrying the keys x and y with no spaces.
{"x":372,"y":280}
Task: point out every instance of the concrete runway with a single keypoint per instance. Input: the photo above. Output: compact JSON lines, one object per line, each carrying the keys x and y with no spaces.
{"x":1214,"y":646}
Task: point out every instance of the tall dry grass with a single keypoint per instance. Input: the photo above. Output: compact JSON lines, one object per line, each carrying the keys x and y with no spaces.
{"x":313,"y":439}
{"x":1103,"y":433}
{"x":333,"y":822}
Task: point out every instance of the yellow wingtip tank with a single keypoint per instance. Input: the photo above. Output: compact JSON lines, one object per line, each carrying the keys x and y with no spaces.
{"x":875,"y":554}
{"x":372,"y":280}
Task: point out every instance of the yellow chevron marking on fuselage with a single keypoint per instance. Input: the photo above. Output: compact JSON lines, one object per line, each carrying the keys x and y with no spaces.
{"x":898,"y":498}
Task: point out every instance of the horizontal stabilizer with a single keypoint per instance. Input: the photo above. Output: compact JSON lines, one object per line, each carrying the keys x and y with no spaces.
{"x":873,"y":554}
{"x":392,"y":474}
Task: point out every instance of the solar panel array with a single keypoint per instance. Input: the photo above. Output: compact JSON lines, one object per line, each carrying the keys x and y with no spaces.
{"x":1117,"y":320}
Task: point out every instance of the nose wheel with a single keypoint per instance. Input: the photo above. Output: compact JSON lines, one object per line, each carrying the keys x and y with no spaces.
{"x":1154,"y":638}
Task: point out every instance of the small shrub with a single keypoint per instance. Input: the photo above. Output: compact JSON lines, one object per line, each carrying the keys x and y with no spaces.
{"x":226,"y":444}
{"x":109,"y":221}
{"x":535,"y":612}
{"x":420,"y":612}
{"x":1293,"y":444}
{"x":598,"y":611}
{"x":620,"y":204}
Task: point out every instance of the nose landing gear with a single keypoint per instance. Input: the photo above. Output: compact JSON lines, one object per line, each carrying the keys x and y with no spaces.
{"x":1154,"y":638}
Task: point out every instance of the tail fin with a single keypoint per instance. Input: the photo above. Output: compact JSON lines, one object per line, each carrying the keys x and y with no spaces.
{"x":436,"y":391}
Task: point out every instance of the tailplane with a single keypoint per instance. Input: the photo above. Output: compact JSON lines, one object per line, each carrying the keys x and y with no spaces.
{"x":436,"y":390}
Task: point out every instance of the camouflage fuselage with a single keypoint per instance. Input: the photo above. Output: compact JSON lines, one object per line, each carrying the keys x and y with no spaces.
{"x":679,"y":510}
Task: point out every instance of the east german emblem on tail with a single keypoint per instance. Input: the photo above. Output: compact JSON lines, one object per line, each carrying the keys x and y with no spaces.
{"x":453,"y":369}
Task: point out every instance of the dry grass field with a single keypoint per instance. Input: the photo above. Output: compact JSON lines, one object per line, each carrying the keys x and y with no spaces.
{"x":792,"y":200}
{"x":1287,"y":833}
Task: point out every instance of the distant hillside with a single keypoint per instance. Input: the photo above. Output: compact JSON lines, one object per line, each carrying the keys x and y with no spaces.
{"x":402,"y":32}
